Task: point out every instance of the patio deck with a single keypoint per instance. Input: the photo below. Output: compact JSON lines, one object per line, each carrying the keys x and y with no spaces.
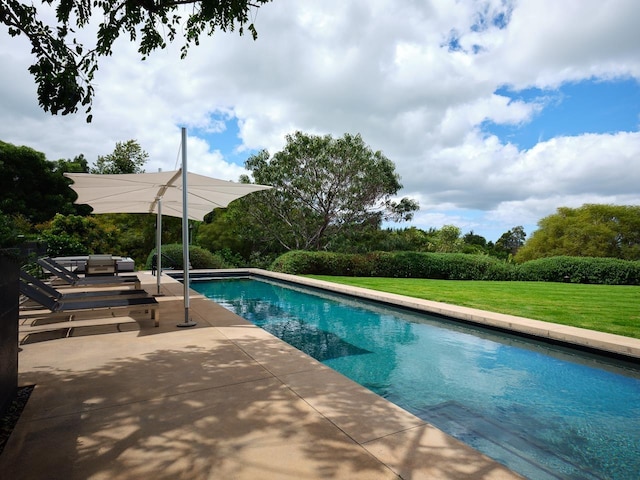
{"x":116,"y":398}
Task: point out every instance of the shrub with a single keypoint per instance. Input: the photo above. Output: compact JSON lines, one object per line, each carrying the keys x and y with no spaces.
{"x":8,"y":233}
{"x":315,"y":263}
{"x":260,"y":260}
{"x":172,"y":257}
{"x":63,"y":245}
{"x":294,"y":262}
{"x":609,"y":271}
{"x":460,"y":266}
{"x":230,"y":258}
{"x":399,"y":265}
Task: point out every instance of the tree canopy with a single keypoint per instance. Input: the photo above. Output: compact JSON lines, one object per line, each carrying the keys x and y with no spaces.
{"x":447,"y":240}
{"x":65,"y":67}
{"x":588,"y":231}
{"x":323,"y":186}
{"x":79,"y":164}
{"x":219,"y":232}
{"x":127,"y":157}
{"x":32,"y":186}
{"x":78,"y":235}
{"x":512,"y":240}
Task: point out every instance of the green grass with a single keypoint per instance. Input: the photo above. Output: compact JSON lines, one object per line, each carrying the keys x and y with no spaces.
{"x":605,"y":308}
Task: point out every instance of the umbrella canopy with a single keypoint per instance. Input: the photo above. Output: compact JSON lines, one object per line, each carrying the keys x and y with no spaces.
{"x":140,"y":192}
{"x":189,"y":196}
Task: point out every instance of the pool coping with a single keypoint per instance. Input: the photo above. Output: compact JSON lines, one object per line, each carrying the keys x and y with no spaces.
{"x":608,"y":344}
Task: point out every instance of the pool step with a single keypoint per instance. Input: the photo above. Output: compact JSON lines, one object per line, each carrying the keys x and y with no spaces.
{"x":504,"y":443}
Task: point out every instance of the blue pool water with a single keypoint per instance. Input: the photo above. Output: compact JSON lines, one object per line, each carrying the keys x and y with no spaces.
{"x":546,"y":412}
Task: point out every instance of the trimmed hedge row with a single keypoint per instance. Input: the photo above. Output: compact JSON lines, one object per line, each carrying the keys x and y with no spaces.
{"x":459,"y":266}
{"x":608,"y":271}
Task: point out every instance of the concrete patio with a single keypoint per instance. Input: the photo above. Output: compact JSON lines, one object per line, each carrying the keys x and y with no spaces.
{"x":116,"y":398}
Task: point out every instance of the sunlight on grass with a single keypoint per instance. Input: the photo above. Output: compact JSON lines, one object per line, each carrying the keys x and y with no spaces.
{"x":606,"y":308}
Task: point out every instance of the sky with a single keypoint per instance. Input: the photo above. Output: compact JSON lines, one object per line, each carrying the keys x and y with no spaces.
{"x":495,"y":113}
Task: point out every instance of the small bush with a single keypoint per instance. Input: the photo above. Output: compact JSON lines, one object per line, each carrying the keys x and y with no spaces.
{"x":172,"y":257}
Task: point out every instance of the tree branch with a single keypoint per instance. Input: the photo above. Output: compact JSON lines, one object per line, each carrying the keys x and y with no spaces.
{"x":64,"y":71}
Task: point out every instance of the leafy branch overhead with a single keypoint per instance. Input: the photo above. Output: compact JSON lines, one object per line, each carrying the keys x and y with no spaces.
{"x":65,"y":67}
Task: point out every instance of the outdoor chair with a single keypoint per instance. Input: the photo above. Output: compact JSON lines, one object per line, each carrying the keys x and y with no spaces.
{"x":75,"y":280}
{"x":148,"y":303}
{"x":76,"y":296}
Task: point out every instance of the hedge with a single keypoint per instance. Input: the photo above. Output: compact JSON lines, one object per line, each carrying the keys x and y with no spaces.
{"x":459,"y":266}
{"x":453,"y":266}
{"x":608,"y":271}
{"x":172,"y":257}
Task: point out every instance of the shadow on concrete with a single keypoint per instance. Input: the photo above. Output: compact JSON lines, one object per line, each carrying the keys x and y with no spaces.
{"x":210,"y":411}
{"x":175,"y":414}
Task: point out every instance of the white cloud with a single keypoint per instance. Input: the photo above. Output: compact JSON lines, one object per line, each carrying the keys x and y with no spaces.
{"x":416,"y":79}
{"x":548,"y":43}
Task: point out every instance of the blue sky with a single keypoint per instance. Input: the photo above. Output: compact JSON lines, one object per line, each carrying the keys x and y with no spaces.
{"x":227,"y":140}
{"x":588,"y":106}
{"x":495,"y":112}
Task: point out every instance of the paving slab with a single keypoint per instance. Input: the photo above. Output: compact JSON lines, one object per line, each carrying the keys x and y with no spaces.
{"x":426,"y":453}
{"x":362,"y":414}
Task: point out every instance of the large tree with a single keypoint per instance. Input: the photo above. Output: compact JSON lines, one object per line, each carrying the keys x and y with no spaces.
{"x":588,"y":231}
{"x":323,"y":187}
{"x":511,"y":241}
{"x":32,"y":186}
{"x":127,"y":157}
{"x":65,"y":67}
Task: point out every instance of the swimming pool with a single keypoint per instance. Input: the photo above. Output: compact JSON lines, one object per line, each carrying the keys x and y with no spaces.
{"x":546,"y":412}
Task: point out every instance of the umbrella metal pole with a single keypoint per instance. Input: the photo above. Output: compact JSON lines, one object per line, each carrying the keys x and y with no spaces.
{"x":159,"y":246}
{"x":185,"y":234}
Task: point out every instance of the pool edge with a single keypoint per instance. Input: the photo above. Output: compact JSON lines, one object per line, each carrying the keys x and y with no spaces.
{"x":607,"y":344}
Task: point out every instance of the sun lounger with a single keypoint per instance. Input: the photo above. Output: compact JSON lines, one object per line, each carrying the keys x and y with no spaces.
{"x":83,"y":306}
{"x":76,"y":296}
{"x":73,"y":279}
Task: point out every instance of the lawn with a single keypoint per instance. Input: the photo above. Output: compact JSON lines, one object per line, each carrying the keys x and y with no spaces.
{"x":606,"y":308}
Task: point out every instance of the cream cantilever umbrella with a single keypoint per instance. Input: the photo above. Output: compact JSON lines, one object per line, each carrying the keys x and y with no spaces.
{"x":142,"y":192}
{"x":188,"y":196}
